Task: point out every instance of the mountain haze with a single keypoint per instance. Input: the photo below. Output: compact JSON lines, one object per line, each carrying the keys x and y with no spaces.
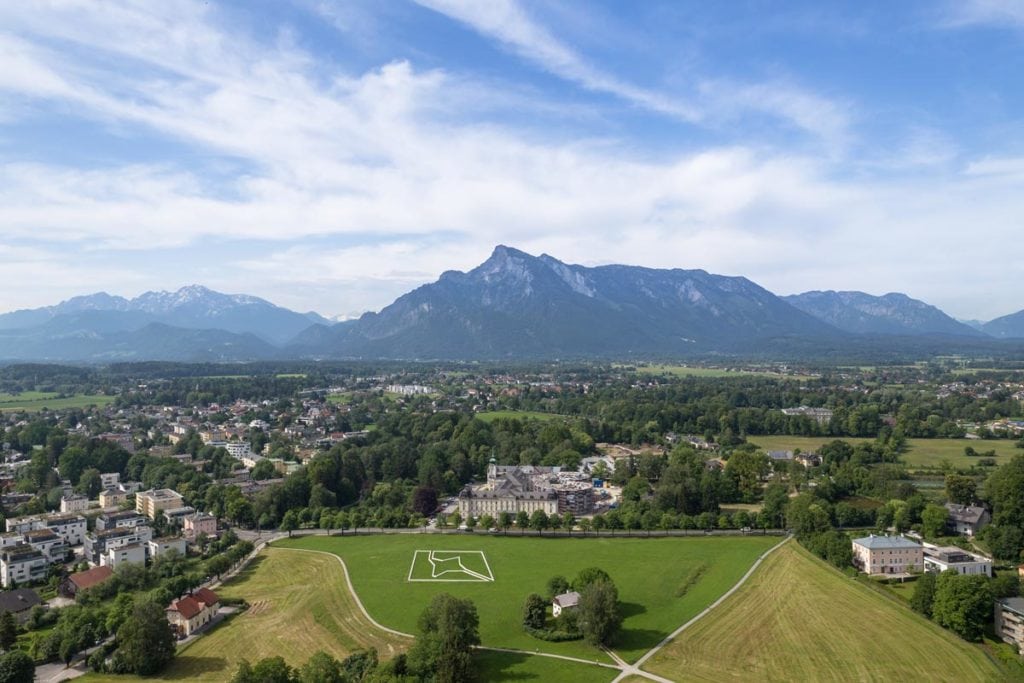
{"x":889,"y":314}
{"x":1007,"y":327}
{"x":192,"y":307}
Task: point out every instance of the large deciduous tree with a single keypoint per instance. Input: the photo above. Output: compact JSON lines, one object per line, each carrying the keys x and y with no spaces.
{"x":145,"y":643}
{"x":449,"y":628}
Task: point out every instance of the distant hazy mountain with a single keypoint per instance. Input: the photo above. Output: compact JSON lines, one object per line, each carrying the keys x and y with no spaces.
{"x":518,"y":305}
{"x":889,"y":314}
{"x":191,"y":307}
{"x":1008,"y":327}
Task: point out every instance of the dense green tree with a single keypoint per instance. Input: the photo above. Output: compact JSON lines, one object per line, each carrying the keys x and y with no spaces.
{"x":534,"y":611}
{"x":747,"y":469}
{"x":8,"y":630}
{"x":556,"y":586}
{"x":961,"y":489}
{"x":145,"y":643}
{"x":598,"y":612}
{"x":962,"y":603}
{"x":449,"y":628}
{"x":1006,"y":586}
{"x":264,"y":469}
{"x":924,"y":594}
{"x":807,"y":514}
{"x":17,"y":667}
{"x":272,"y":670}
{"x":539,"y":520}
{"x":588,"y":576}
{"x":933,"y":520}
{"x":290,"y":522}
{"x":321,"y":668}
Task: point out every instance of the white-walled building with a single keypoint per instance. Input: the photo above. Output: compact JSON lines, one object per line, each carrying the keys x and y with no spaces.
{"x":887,"y":555}
{"x":938,"y":559}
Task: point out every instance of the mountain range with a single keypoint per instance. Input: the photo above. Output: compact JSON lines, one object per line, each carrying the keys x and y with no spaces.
{"x":513,"y":306}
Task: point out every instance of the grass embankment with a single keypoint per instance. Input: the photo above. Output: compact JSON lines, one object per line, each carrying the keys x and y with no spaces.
{"x":34,"y":401}
{"x":921,"y":453}
{"x":797,"y":619}
{"x":299,"y":604}
{"x":655,"y":578}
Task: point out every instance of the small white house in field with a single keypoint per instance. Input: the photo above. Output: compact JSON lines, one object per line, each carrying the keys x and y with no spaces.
{"x":563,"y":602}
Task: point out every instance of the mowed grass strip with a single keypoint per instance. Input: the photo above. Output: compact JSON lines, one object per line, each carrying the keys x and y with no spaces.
{"x":797,"y":619}
{"x":649,"y":573}
{"x":299,"y":604}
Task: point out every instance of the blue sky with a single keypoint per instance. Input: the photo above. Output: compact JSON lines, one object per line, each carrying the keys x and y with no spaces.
{"x":332,"y":155}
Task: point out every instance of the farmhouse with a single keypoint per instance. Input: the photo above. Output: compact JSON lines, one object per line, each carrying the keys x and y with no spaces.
{"x":967,"y":520}
{"x":938,"y":559}
{"x":570,"y":600}
{"x":80,"y":581}
{"x":1009,"y":621}
{"x":887,"y":555}
{"x":192,"y":611}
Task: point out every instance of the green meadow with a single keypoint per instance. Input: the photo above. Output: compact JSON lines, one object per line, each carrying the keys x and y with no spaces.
{"x":662,"y":582}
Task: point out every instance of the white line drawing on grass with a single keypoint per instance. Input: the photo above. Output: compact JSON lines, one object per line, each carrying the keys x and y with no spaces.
{"x":449,"y":566}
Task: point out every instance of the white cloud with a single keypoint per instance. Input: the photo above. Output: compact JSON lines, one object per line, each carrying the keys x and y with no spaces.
{"x":389,"y":160}
{"x":958,"y":13}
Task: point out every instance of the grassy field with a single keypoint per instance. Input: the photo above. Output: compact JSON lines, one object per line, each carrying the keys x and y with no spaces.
{"x":516,"y":415}
{"x":798,"y":619}
{"x":920,"y":452}
{"x":508,"y":666}
{"x":662,"y":582}
{"x":693,"y":371}
{"x":300,"y":603}
{"x":33,"y":401}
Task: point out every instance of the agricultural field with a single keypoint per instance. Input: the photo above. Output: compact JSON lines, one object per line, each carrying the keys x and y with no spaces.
{"x":696,"y":371}
{"x":516,"y":415}
{"x":34,"y":401}
{"x":662,"y":582}
{"x":299,"y":603}
{"x":923,"y":453}
{"x":797,"y":619}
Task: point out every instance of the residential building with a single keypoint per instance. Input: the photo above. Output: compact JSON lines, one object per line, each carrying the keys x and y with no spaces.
{"x":111,"y":498}
{"x":177,"y":515}
{"x":943,"y":558}
{"x":74,"y":503}
{"x":116,"y":520}
{"x":887,"y":555}
{"x":19,"y":602}
{"x":132,"y":553}
{"x":49,"y":543}
{"x":560,"y":603}
{"x":198,"y":525}
{"x":158,"y":546}
{"x":70,"y":527}
{"x":110,"y":480}
{"x":967,"y":520}
{"x":153,"y":502}
{"x":1009,"y":621}
{"x":191,"y":612}
{"x":80,"y":581}
{"x":238,"y":449}
{"x":22,"y":564}
{"x":98,"y":543}
{"x":808,"y":459}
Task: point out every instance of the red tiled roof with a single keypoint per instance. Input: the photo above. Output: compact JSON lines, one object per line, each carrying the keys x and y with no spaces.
{"x":187,"y":607}
{"x":206,"y":596}
{"x":91,"y":577}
